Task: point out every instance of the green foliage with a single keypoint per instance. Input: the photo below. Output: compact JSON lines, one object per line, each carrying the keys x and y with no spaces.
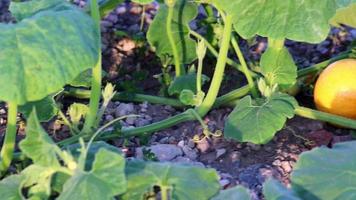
{"x":184,"y":182}
{"x":305,"y":21}
{"x":46,"y":108}
{"x":274,"y":190}
{"x":345,"y":15}
{"x":257,"y":121}
{"x":51,"y":46}
{"x":184,"y":12}
{"x":278,"y":66}
{"x":325,"y":173}
{"x":143,"y":2}
{"x":106,"y":6}
{"x":106,"y":178}
{"x":9,"y":188}
{"x":235,"y":193}
{"x":38,"y":145}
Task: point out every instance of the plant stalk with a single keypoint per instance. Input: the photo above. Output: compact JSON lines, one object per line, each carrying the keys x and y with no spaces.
{"x":96,"y":76}
{"x":178,"y":67}
{"x":245,"y":69}
{"x":210,"y":98}
{"x":326,"y":117}
{"x":8,"y":146}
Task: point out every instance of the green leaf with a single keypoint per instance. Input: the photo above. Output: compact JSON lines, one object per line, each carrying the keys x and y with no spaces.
{"x":344,"y":3}
{"x":38,"y":145}
{"x":185,"y":82}
{"x":38,"y":180}
{"x":187,"y":97}
{"x":22,"y":10}
{"x":274,"y":190}
{"x":185,"y":182}
{"x":257,"y":122}
{"x":105,"y":180}
{"x":278,"y":66}
{"x":184,"y":12}
{"x":325,"y":173}
{"x":42,"y":53}
{"x":94,"y":149}
{"x":346,"y":16}
{"x":305,"y":21}
{"x":10,"y":188}
{"x":235,"y":193}
{"x":46,"y":108}
{"x":143,"y":2}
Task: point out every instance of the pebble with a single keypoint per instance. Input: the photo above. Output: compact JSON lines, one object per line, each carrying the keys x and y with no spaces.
{"x":191,"y":143}
{"x":124,"y":109}
{"x":190,"y":153}
{"x":224,"y":183}
{"x":235,"y":156}
{"x":181,"y":143}
{"x":163,"y":152}
{"x":130,"y":120}
{"x":286,"y":166}
{"x":203,"y":145}
{"x":142,"y":122}
{"x":220,"y":152}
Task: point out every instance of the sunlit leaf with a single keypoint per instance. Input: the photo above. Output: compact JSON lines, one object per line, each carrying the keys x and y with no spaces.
{"x":257,"y":122}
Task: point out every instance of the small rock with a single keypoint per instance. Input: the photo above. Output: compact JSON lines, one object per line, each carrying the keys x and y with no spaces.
{"x":190,"y":153}
{"x":163,"y":152}
{"x":109,"y":118}
{"x":220,"y":152}
{"x":130,"y":120}
{"x":187,"y":161}
{"x":112,"y":18}
{"x":286,"y":166}
{"x":164,"y":140}
{"x":203,"y":145}
{"x":224,"y":183}
{"x":235,"y":156}
{"x":181,"y":143}
{"x":254,"y":147}
{"x":191,"y":143}
{"x":141,"y":122}
{"x":124,"y":109}
{"x":120,"y":10}
{"x":277,"y":163}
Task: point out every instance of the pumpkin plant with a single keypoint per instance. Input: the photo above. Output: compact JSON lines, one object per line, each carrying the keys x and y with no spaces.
{"x":51,"y":43}
{"x":264,"y":104}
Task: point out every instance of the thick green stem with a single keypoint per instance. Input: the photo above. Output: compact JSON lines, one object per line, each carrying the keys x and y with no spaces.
{"x":178,"y":67}
{"x":8,"y":146}
{"x":245,"y":69}
{"x":210,"y":98}
{"x":85,"y":94}
{"x":326,"y":117}
{"x":96,"y":76}
{"x":317,"y":67}
{"x":164,"y":193}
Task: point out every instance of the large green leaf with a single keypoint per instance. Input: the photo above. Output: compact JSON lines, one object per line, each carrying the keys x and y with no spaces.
{"x":184,"y":12}
{"x":185,"y":182}
{"x":346,"y":16}
{"x":278,"y":66}
{"x":257,"y":122}
{"x":105,"y":180}
{"x":10,"y":188}
{"x":306,"y":21}
{"x":38,"y":145}
{"x":235,"y":193}
{"x":274,"y":190}
{"x":328,"y":174}
{"x":93,"y":150}
{"x":42,"y":53}
{"x":46,"y":108}
{"x":22,"y":10}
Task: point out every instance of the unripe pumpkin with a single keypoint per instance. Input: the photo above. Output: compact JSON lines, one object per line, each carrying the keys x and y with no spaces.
{"x":335,"y":89}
